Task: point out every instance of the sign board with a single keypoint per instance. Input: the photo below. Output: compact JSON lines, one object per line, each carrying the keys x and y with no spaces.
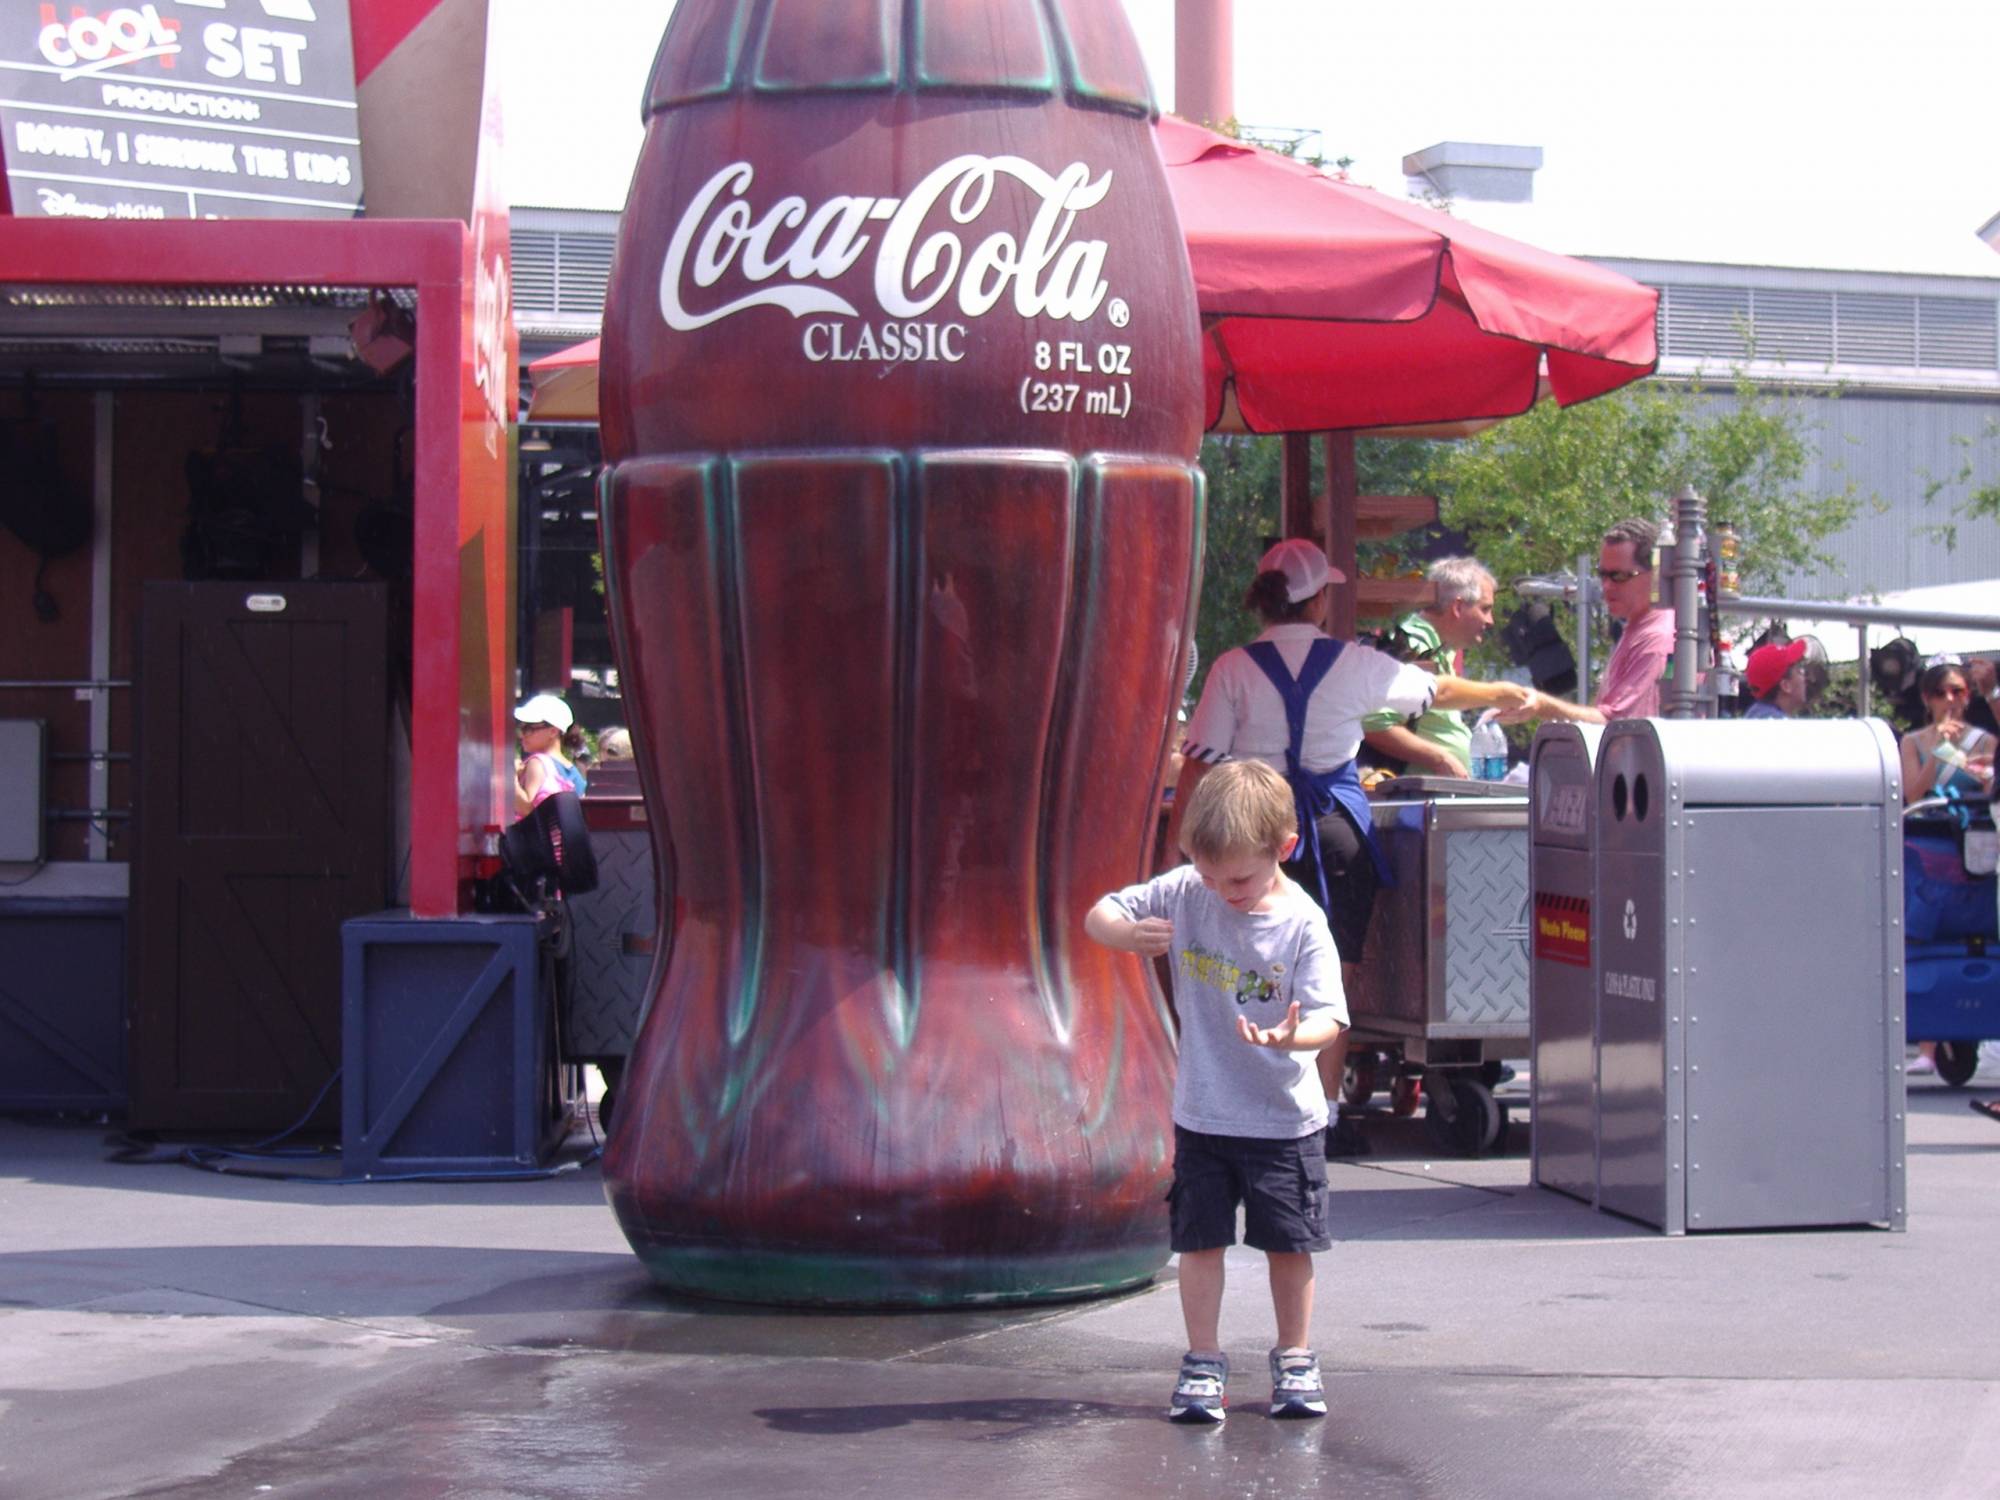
{"x":180,"y":109}
{"x":1562,"y":928}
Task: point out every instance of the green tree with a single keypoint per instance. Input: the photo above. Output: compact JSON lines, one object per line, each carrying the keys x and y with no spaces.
{"x":1534,"y":493}
{"x":1980,"y":502}
{"x":1245,"y":510}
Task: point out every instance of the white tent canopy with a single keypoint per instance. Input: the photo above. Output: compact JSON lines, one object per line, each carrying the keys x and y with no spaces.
{"x":1979,"y":598}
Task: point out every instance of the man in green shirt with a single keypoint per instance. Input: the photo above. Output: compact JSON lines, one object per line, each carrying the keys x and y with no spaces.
{"x":1438,"y":742}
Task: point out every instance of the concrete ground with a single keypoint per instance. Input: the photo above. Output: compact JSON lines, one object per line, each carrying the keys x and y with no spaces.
{"x":171,"y":1333}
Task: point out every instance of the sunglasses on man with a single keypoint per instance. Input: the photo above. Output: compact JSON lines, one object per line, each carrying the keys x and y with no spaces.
{"x":1620,"y":575}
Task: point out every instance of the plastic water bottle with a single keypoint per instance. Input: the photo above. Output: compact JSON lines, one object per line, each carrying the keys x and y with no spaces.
{"x":1489,"y":751}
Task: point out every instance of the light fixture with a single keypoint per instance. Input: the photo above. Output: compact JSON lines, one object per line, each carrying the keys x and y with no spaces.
{"x":384,"y":334}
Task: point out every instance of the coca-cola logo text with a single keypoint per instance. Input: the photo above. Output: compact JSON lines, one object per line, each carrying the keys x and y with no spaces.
{"x":790,"y":251}
{"x":492,"y":310}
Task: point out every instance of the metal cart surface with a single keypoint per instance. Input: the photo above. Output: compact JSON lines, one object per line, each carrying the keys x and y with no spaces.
{"x":1442,"y":994}
{"x":616,"y":937}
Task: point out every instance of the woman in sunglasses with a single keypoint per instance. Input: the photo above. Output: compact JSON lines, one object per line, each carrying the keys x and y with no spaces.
{"x":1947,"y":755}
{"x":543,"y":722}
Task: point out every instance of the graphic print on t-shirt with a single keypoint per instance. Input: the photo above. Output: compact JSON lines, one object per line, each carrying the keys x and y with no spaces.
{"x":1203,"y":967}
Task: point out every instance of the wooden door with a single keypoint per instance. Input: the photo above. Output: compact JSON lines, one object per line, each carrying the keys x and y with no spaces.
{"x":262,"y":817}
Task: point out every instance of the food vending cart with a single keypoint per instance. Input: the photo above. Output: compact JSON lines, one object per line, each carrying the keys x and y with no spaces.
{"x":1442,"y":995}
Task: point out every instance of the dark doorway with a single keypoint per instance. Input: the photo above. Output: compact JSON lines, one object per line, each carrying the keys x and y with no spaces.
{"x":564,"y":635}
{"x":262,"y":824}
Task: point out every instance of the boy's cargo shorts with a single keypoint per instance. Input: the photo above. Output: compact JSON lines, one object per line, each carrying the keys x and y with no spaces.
{"x":1281,"y":1186}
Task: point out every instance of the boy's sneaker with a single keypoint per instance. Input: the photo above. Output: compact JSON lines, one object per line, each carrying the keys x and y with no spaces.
{"x":1198,"y":1393}
{"x":1295,"y":1387}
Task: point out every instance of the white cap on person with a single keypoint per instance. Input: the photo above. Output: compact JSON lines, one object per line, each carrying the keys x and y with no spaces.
{"x":545,"y":708}
{"x":1305,"y":568}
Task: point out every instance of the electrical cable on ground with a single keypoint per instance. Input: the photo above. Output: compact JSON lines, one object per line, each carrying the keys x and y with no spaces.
{"x":136,"y":1150}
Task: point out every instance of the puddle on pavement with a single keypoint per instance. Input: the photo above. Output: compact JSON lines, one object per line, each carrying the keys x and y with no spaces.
{"x":625,"y":1312}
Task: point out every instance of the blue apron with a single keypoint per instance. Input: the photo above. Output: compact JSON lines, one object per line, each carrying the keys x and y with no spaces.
{"x":1315,"y":794}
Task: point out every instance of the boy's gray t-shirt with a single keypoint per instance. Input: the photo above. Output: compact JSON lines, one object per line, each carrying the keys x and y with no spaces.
{"x":1227,"y":964}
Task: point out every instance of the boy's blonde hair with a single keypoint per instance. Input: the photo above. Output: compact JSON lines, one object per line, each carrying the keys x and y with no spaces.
{"x":1240,"y":806}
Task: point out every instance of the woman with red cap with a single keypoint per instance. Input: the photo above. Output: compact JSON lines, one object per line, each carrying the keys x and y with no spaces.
{"x":1295,"y":698}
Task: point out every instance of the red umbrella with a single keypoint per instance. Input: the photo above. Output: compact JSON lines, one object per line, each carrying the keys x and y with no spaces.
{"x":1328,"y":305}
{"x":564,"y":385}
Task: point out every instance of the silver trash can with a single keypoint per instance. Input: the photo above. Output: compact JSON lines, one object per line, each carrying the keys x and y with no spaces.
{"x":1749,"y":939}
{"x":1562,"y":974}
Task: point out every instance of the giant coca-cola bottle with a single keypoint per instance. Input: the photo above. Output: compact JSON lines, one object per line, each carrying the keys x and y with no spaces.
{"x":902,"y":387}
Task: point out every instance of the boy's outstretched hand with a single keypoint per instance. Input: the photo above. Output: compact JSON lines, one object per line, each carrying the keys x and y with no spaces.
{"x":1152,"y":936}
{"x":1270,"y":1036}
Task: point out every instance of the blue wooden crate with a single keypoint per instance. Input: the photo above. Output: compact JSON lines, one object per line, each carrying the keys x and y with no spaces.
{"x":448,"y":1047}
{"x":62,"y":1004}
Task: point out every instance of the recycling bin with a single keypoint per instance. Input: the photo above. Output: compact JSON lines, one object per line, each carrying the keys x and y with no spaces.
{"x":1749,"y":942}
{"x":1562,"y":978}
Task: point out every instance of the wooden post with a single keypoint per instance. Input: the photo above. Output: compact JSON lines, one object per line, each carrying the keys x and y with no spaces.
{"x":1337,"y":524}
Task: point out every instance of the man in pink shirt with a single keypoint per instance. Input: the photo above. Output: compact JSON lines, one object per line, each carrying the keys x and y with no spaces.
{"x":1630,"y":686}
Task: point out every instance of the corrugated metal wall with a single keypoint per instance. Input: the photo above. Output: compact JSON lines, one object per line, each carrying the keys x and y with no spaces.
{"x":1891,"y":448}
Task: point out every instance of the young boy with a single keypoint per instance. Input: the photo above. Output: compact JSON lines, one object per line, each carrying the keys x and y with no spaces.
{"x":1257,"y":989}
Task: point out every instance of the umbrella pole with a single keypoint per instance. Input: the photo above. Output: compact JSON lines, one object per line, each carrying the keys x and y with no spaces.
{"x":1329,"y":517}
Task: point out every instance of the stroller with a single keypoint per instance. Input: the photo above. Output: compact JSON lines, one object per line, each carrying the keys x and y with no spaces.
{"x":1951,"y":930}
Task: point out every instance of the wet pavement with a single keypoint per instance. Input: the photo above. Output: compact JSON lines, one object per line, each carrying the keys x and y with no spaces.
{"x":173,"y":1333}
